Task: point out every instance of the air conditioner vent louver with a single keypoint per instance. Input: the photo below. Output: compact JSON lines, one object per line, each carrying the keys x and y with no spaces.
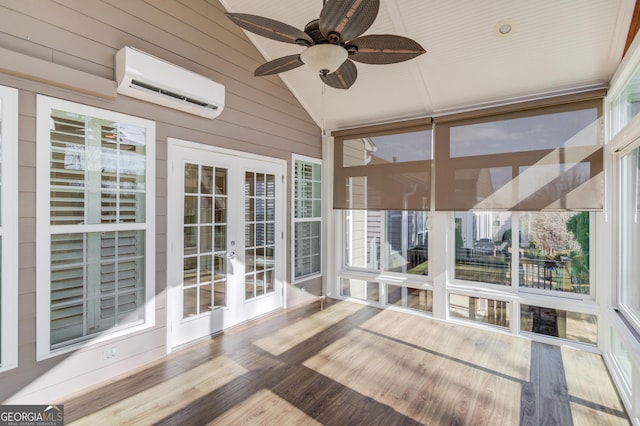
{"x":146,"y":77}
{"x":163,"y":92}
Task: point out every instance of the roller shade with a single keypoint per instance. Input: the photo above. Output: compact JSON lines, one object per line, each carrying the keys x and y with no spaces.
{"x":543,"y":155}
{"x":384,"y":169}
{"x":541,"y":159}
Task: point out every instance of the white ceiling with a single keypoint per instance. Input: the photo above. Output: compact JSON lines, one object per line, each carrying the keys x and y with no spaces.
{"x":554,"y":47}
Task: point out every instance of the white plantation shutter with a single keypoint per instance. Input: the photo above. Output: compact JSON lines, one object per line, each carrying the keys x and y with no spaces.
{"x":67,"y":171}
{"x":67,"y":286}
{"x":97,"y":177}
{"x":121,"y":277}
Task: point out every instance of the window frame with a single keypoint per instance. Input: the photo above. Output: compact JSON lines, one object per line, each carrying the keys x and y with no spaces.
{"x":624,"y":138}
{"x":9,"y":228}
{"x":44,"y":228}
{"x":630,"y":314}
{"x":453,"y":282}
{"x":416,"y":281}
{"x":295,"y":158}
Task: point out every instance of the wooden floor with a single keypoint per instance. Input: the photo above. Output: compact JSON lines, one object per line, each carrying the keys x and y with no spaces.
{"x":357,"y":365}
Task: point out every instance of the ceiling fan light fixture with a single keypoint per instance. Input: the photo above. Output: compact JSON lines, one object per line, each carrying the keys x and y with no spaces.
{"x":324,"y":58}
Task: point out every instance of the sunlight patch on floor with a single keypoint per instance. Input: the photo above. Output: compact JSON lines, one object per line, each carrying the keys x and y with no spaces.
{"x":501,"y":353}
{"x":168,"y":397}
{"x":295,"y":334}
{"x":590,"y":389}
{"x":584,"y":415}
{"x":417,"y":383}
{"x":264,"y":408}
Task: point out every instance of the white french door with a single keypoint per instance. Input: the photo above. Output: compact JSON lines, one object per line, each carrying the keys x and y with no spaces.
{"x":225,"y":237}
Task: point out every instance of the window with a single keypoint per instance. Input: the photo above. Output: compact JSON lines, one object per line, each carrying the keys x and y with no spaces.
{"x":8,"y":228}
{"x":576,"y":326}
{"x":404,"y":235}
{"x":478,"y":214}
{"x":307,"y":217}
{"x":554,"y":251}
{"x":483,"y":247}
{"x":415,"y":299}
{"x":623,"y":146}
{"x":630,"y":235}
{"x":95,"y":224}
{"x":360,"y":289}
{"x":626,"y":105}
{"x":488,"y":311}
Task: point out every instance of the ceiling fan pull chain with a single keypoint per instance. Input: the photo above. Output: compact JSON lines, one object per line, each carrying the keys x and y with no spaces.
{"x":324,"y":129}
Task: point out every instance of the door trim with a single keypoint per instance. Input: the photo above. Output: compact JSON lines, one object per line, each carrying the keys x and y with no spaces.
{"x":173,"y":190}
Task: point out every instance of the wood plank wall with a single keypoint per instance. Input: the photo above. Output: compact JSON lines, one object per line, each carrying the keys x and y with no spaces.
{"x":261,"y":116}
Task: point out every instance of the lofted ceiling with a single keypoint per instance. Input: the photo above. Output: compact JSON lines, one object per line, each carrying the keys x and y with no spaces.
{"x":554,"y":47}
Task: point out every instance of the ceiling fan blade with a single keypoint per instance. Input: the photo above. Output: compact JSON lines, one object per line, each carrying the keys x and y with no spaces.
{"x":343,"y":77}
{"x":279,"y":65}
{"x":349,"y":18}
{"x":270,"y":28}
{"x":385,"y":49}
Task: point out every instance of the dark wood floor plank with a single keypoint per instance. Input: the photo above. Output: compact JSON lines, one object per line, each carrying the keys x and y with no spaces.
{"x":357,"y":365}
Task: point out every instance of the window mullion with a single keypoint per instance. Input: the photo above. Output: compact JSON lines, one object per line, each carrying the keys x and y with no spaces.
{"x":515,"y":271}
{"x":92,"y":282}
{"x":515,"y":250}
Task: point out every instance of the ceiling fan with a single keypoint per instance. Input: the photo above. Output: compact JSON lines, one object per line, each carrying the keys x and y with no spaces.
{"x":332,"y":42}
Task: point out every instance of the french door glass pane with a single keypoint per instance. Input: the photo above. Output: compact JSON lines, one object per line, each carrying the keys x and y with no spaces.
{"x":554,"y":249}
{"x":259,"y":234}
{"x":205,"y":239}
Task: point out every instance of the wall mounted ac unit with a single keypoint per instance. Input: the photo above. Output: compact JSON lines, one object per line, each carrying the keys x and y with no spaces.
{"x":146,"y":77}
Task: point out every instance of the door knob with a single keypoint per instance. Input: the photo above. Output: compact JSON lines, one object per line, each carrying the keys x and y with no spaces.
{"x":231,"y":255}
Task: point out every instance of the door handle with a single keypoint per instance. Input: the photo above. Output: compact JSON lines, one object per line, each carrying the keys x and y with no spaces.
{"x":231,"y":255}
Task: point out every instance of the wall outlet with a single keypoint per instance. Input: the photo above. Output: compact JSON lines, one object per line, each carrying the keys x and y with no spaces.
{"x":110,"y":353}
